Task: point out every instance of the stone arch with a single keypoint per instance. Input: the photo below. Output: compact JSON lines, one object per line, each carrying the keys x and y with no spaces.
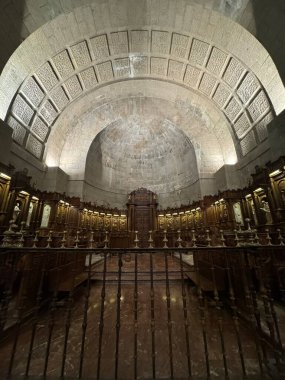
{"x":208,"y":131}
{"x":214,"y":63}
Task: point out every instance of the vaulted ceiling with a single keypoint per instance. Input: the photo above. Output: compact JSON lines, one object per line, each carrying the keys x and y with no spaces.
{"x":87,"y":58}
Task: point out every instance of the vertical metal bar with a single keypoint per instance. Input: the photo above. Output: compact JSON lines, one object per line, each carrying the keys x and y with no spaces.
{"x":51,"y":322}
{"x":253,"y":312}
{"x":15,"y":260}
{"x":233,"y":305}
{"x":101,"y":323}
{"x":272,"y":308}
{"x":169,"y":321}
{"x":274,"y":316}
{"x":251,"y":264}
{"x":266,"y":303}
{"x":152,"y":316}
{"x":279,"y":270}
{"x":85,"y":316}
{"x":136,"y":318}
{"x":69,"y":312}
{"x":202,"y":311}
{"x":118,"y":324}
{"x":185,"y":314}
{"x":8,"y":263}
{"x":219,"y":314}
{"x":37,"y":310}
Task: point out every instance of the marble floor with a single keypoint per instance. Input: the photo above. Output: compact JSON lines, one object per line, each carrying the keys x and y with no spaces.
{"x":158,"y":331}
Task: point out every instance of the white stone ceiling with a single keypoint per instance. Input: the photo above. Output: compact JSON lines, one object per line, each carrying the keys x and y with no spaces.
{"x":141,"y":150}
{"x":21,"y":18}
{"x":157,"y":101}
{"x":97,"y":47}
{"x":108,"y":57}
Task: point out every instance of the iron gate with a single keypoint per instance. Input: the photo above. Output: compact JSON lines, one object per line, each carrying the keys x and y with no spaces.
{"x":142,"y":314}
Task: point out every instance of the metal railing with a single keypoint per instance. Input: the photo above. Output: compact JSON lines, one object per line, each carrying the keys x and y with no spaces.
{"x":194,"y":313}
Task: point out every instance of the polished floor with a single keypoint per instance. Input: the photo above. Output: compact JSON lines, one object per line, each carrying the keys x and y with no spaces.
{"x":172,"y":335}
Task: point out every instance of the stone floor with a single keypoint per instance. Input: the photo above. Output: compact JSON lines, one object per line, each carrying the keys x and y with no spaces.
{"x":206,"y":326}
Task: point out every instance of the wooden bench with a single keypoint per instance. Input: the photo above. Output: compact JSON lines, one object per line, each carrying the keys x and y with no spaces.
{"x":203,"y":282}
{"x":203,"y":278}
{"x":70,"y":283}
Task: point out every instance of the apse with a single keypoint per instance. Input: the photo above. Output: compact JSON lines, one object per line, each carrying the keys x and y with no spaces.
{"x":140,"y":150}
{"x":161,"y":142}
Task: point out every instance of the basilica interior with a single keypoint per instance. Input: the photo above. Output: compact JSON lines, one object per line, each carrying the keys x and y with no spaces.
{"x":142,"y":189}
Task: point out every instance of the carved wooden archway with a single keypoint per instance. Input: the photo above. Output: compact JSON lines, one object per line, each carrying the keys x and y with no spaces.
{"x":142,"y":205}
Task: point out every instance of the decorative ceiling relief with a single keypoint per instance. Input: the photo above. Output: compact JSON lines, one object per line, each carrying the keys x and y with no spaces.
{"x":119,"y":55}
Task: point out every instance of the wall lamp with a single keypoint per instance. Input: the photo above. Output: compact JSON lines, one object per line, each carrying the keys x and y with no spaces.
{"x":276,"y":172}
{"x":5,"y":176}
{"x":24,"y":192}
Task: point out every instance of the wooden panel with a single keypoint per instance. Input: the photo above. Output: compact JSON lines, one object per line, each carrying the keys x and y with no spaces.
{"x":142,"y":204}
{"x":143,"y":224}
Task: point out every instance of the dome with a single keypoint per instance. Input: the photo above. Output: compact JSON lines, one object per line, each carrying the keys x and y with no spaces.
{"x":142,"y":148}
